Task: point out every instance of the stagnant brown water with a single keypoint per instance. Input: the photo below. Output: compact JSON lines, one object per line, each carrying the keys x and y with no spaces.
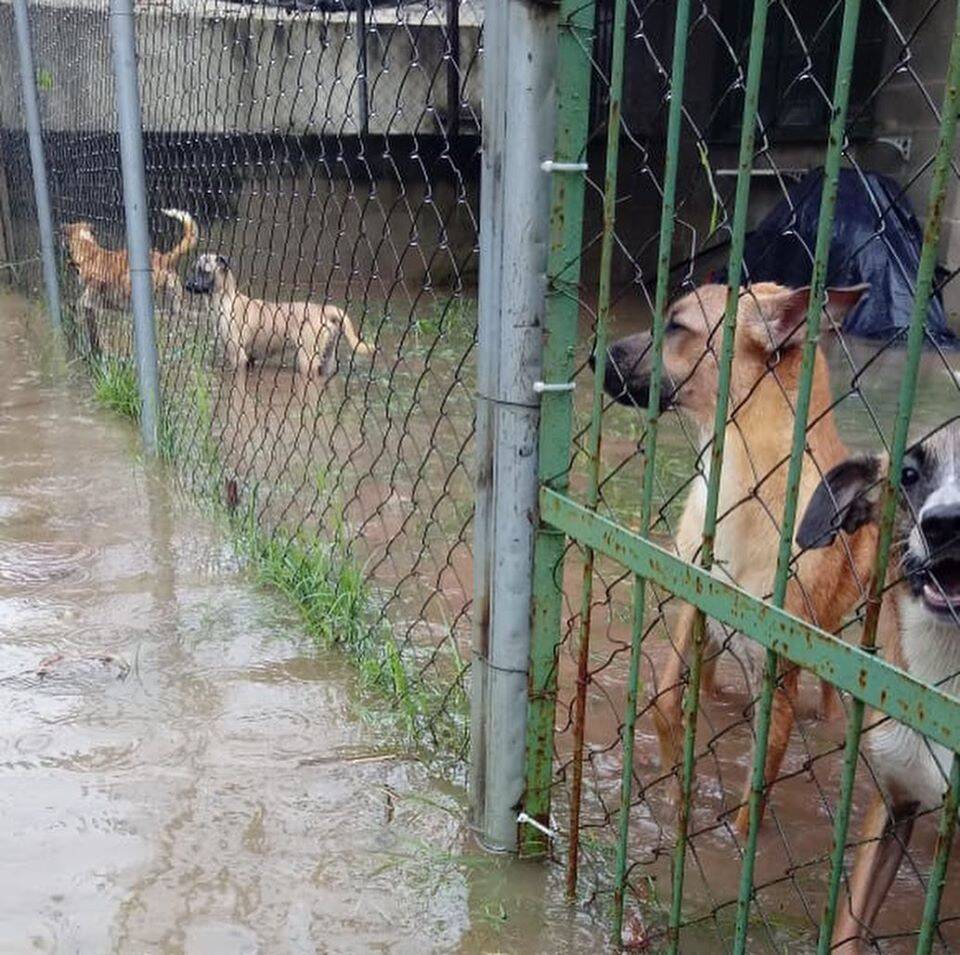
{"x":180,"y":770}
{"x":209,"y":787}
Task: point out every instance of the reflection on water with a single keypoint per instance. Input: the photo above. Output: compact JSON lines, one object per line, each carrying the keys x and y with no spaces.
{"x":179,"y":771}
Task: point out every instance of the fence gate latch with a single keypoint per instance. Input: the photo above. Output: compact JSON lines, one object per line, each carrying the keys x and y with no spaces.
{"x":551,"y":165}
{"x":541,"y":387}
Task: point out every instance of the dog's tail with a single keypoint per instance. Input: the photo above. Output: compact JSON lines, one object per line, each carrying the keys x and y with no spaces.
{"x":360,"y":347}
{"x":188,"y":242}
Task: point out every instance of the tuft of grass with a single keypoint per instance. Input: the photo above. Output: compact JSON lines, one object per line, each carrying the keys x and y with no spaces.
{"x":330,"y":588}
{"x":115,"y":386}
{"x":454,"y":316}
{"x":321,"y":576}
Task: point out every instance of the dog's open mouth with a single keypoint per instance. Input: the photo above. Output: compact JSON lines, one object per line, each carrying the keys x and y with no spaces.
{"x":941,"y":586}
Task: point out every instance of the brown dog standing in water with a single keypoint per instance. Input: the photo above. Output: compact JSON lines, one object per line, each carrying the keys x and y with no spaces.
{"x":105,"y":273}
{"x":254,"y":329}
{"x":763,"y":391}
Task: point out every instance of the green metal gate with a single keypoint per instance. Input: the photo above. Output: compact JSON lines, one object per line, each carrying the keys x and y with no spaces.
{"x":571,"y":511}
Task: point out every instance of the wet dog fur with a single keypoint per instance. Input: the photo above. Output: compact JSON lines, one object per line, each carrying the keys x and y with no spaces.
{"x":763,"y":391}
{"x":254,"y":329}
{"x":918,"y":629}
{"x":104,"y":274}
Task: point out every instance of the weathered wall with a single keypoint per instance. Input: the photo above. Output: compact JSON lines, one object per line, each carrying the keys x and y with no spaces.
{"x":212,"y":67}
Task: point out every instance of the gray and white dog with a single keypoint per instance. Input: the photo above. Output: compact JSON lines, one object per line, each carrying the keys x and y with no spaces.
{"x":919,"y":630}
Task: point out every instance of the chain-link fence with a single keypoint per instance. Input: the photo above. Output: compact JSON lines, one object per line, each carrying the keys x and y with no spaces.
{"x":889,"y":147}
{"x":329,"y":154}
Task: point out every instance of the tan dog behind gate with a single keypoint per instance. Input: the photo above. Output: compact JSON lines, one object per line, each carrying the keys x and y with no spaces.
{"x":254,"y":329}
{"x":763,"y":391}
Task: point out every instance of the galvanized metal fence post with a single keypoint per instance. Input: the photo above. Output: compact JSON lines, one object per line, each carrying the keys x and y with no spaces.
{"x":518,"y":123}
{"x":562,"y":312}
{"x":41,"y":190}
{"x":123,"y":38}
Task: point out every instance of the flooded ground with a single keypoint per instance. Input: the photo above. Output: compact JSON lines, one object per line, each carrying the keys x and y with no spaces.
{"x":180,"y":770}
{"x":387,"y":445}
{"x":792,"y":858}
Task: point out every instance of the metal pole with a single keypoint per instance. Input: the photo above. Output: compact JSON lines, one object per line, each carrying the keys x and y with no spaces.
{"x":8,"y":247}
{"x":363,"y":94}
{"x":41,"y":189}
{"x":135,"y":208}
{"x":518,"y":124}
{"x":453,"y":68}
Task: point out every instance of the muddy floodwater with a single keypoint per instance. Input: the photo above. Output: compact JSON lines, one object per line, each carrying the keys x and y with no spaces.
{"x":180,"y":769}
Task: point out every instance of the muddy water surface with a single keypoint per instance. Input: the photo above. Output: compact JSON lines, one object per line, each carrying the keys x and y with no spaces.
{"x":180,"y":771}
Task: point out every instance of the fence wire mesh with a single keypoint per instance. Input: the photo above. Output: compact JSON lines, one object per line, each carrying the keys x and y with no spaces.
{"x":329,"y":153}
{"x":894,"y":113}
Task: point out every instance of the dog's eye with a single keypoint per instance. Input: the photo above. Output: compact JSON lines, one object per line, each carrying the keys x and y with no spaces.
{"x":672,"y":326}
{"x":909,"y":475}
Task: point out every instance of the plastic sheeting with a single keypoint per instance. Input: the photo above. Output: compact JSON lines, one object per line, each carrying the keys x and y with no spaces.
{"x":876,"y":239}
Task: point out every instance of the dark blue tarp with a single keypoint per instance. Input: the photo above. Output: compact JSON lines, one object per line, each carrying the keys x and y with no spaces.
{"x":876,"y":239}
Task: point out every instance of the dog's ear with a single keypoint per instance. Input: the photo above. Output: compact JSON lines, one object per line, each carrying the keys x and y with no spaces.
{"x":779,"y":313}
{"x":844,"y":500}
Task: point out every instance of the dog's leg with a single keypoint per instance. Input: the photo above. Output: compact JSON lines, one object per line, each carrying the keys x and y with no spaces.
{"x":326,"y":359}
{"x":782,"y":714}
{"x":708,"y":676}
{"x":885,"y":837}
{"x":239,"y":359}
{"x":306,"y":363}
{"x":668,"y":704}
{"x":90,"y":321}
{"x":329,"y":357}
{"x":829,"y":707}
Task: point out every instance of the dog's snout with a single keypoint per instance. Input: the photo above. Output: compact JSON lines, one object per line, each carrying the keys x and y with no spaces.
{"x":941,"y":526}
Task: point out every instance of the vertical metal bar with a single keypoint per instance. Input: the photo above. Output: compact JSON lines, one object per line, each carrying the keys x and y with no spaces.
{"x":363,"y":97}
{"x":123,"y":36}
{"x":925,"y":275}
{"x":841,"y":95}
{"x":828,"y":201}
{"x":646,"y":508}
{"x":841,"y":822}
{"x":938,"y":873}
{"x":518,"y":133}
{"x":41,"y":188}
{"x":556,"y":408}
{"x":8,"y":244}
{"x":738,"y":234}
{"x":579,"y":725}
{"x":596,"y":424}
{"x":453,"y":68}
{"x":664,"y":250}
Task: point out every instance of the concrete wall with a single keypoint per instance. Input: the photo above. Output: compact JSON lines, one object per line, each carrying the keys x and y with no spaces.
{"x":214,"y":67}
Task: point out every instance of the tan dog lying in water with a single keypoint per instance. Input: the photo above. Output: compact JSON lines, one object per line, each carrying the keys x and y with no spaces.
{"x":763,"y":392}
{"x":254,"y":329}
